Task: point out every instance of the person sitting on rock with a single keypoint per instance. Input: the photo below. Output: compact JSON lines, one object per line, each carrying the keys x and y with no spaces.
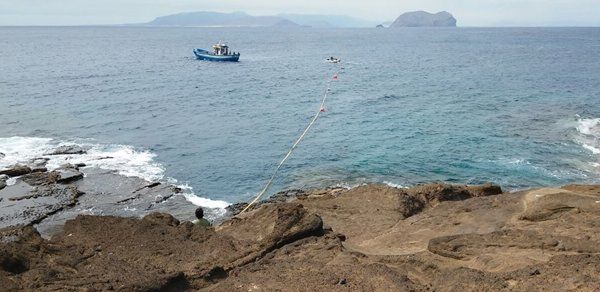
{"x":200,"y":218}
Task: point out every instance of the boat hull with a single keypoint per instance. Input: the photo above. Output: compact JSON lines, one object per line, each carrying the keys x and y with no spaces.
{"x":205,"y":55}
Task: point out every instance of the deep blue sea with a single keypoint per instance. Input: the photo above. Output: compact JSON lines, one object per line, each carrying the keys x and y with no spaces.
{"x":519,"y":107}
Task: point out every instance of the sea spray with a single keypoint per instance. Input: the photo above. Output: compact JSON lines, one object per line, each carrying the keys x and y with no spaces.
{"x":125,"y":160}
{"x":589,"y":138}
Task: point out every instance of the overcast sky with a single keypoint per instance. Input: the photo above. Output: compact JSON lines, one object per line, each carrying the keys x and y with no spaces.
{"x":468,"y":12}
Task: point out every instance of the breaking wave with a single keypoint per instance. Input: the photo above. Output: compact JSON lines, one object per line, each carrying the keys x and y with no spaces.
{"x":123,"y":159}
{"x":589,"y":138}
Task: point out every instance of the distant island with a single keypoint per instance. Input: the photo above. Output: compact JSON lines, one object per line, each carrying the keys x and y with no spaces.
{"x":242,"y":19}
{"x":217,"y":19}
{"x":425,"y":19}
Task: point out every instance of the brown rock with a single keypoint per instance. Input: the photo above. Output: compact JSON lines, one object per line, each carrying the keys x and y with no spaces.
{"x":279,"y":224}
{"x":16,"y":170}
{"x":547,"y":204}
{"x":438,"y":192}
{"x":154,"y":253}
{"x":457,"y":239}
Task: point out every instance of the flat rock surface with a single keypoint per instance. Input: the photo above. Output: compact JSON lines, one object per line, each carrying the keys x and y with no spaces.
{"x":48,"y":199}
{"x":67,"y":149}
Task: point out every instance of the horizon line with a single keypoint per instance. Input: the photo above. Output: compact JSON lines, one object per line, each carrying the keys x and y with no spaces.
{"x":333,"y":27}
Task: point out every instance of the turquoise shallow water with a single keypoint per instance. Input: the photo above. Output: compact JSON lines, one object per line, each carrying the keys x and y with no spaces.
{"x":516,"y":106}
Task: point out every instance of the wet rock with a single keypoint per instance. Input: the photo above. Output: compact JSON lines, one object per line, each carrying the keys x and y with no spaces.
{"x":108,"y":193}
{"x":104,"y":158}
{"x":39,"y":169}
{"x":67,"y":166}
{"x":149,"y":186}
{"x":3,"y":179}
{"x":162,"y":198}
{"x":16,"y":170}
{"x":286,"y":196}
{"x":38,"y":162}
{"x":68,"y":175}
{"x":23,"y":204}
{"x":67,"y":149}
{"x":40,"y":178}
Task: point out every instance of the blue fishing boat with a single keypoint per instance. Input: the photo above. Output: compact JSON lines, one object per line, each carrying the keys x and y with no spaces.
{"x":220,"y":52}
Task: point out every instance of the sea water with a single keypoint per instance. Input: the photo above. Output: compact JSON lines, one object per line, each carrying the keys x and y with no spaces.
{"x":519,"y":107}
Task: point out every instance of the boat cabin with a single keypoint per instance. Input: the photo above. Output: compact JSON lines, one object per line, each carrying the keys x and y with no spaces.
{"x":221,"y":50}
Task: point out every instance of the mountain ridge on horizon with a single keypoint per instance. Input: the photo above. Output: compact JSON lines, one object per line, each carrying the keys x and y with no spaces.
{"x":243,"y":19}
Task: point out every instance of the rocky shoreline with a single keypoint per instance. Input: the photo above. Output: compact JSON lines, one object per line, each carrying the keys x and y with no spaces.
{"x":31,"y":194}
{"x":374,"y":237}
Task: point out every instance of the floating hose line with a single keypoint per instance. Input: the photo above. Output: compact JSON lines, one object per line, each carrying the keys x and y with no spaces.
{"x":312,"y":122}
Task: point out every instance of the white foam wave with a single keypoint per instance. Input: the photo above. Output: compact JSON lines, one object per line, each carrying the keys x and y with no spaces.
{"x":589,"y":138}
{"x":593,"y":149}
{"x":345,"y":185}
{"x":517,"y":161}
{"x":394,"y":185}
{"x":11,"y":181}
{"x":204,"y":202}
{"x":521,"y":164}
{"x":589,"y":127}
{"x":123,"y":159}
{"x":22,"y":149}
